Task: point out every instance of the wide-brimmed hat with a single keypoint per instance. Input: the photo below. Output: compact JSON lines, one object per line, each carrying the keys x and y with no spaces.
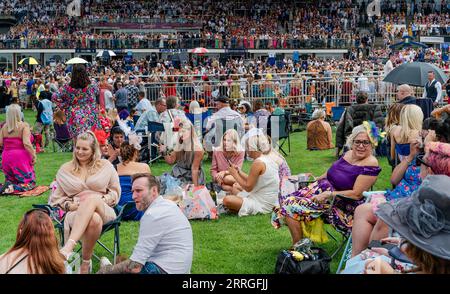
{"x":424,"y":218}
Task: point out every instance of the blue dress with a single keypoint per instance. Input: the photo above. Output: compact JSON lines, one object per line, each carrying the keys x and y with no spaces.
{"x":127,"y":196}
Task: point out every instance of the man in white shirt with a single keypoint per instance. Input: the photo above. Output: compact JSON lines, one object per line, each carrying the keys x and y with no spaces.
{"x":433,"y":89}
{"x":109,"y":101}
{"x":143,"y":105}
{"x":165,"y":242}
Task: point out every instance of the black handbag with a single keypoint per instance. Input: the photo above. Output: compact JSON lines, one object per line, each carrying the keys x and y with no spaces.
{"x":286,"y":264}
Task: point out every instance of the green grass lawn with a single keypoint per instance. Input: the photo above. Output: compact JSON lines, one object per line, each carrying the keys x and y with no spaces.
{"x":228,"y":245}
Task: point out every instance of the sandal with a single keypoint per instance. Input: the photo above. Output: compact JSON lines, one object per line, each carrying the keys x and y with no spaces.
{"x":68,"y":255}
{"x":89,"y":262}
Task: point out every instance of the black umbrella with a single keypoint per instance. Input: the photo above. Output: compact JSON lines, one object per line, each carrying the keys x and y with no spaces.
{"x":415,"y":74}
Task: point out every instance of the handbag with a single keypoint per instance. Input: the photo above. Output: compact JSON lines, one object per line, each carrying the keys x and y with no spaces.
{"x":287,"y":264}
{"x":198,"y":204}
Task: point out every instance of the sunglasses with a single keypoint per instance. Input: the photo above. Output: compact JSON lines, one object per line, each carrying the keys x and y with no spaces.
{"x":420,"y":160}
{"x":46,"y":211}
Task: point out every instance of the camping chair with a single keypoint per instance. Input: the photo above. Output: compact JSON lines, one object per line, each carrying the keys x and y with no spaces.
{"x":61,"y":140}
{"x":346,"y":236}
{"x":347,"y":254}
{"x":112,"y":225}
{"x":336,"y":113}
{"x":149,"y":151}
{"x":278,"y":130}
{"x":220,"y":127}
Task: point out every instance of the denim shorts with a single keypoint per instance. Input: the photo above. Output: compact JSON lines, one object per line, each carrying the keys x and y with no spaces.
{"x":151,"y":268}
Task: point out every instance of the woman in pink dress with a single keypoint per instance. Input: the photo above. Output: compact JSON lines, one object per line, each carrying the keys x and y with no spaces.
{"x":18,"y":155}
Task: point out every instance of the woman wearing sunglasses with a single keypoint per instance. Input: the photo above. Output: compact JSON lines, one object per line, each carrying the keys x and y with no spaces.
{"x":350,"y":176}
{"x":36,"y":248}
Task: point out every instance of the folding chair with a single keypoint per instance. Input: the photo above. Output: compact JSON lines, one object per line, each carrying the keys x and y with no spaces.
{"x":346,"y":236}
{"x":61,"y":140}
{"x":149,"y":142}
{"x":337,"y":112}
{"x":278,"y":129}
{"x":112,"y":225}
{"x":220,"y":127}
{"x":346,"y":255}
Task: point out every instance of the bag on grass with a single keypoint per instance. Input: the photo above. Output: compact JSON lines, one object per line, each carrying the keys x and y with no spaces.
{"x":198,"y":204}
{"x":288,"y":262}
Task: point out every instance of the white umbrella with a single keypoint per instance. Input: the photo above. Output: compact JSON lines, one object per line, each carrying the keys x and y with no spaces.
{"x":200,"y":50}
{"x":76,"y":60}
{"x":106,"y":53}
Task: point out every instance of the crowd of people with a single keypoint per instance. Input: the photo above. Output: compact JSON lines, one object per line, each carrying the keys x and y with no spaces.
{"x":106,"y":113}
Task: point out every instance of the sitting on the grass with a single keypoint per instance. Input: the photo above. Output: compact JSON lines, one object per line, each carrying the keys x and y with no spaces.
{"x":165,"y":243}
{"x":87,"y":189}
{"x":18,"y":156}
{"x":187,"y":155}
{"x":129,"y":166}
{"x":228,"y":153}
{"x":35,"y":229}
{"x":262,"y":183}
{"x":350,"y":176}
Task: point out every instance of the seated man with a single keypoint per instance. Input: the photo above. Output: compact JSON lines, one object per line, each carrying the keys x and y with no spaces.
{"x":117,"y":137}
{"x":224,"y":112}
{"x":152,"y":114}
{"x":165,"y":243}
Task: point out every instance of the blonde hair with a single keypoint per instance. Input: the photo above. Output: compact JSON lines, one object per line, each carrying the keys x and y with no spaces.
{"x":259,"y":143}
{"x":12,"y":117}
{"x":318,"y":113}
{"x":233,"y":134}
{"x":411,"y":119}
{"x":112,"y":115}
{"x":355,"y":132}
{"x":193,"y":144}
{"x":94,"y":163}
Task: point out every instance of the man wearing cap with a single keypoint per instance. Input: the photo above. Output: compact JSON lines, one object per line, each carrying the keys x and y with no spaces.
{"x":224,"y":112}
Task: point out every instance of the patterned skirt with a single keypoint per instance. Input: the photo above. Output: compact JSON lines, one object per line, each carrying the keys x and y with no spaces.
{"x":300,"y":207}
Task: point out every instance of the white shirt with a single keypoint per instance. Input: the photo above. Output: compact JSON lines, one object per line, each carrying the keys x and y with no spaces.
{"x":165,"y":238}
{"x":388,"y":67}
{"x":143,"y":106}
{"x":438,"y":87}
{"x":109,"y":103}
{"x":224,"y":113}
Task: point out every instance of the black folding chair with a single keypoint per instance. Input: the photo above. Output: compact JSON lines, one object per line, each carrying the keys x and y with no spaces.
{"x":278,"y":129}
{"x":112,"y":225}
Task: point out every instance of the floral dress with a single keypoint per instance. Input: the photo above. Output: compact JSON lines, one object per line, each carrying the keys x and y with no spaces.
{"x":79,"y":106}
{"x":340,"y":177}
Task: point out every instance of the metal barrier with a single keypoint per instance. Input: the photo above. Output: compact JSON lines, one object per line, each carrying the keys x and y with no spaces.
{"x":290,"y":91}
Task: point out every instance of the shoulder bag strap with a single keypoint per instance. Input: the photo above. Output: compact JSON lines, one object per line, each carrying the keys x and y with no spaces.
{"x":16,"y":264}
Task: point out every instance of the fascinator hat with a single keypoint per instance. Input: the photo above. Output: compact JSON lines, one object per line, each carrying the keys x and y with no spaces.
{"x":424,"y":218}
{"x":374,"y":133}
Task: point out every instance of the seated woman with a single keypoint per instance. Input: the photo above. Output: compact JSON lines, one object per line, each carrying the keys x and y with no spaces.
{"x":35,"y":228}
{"x":187,"y":155}
{"x":227,"y":154}
{"x":319,"y":135}
{"x":422,"y":222}
{"x":411,"y":118}
{"x":350,"y":176}
{"x":261,"y":184}
{"x":406,"y":179}
{"x":62,"y":134}
{"x":126,"y":169}
{"x":436,"y":161}
{"x":18,"y":156}
{"x":87,"y":189}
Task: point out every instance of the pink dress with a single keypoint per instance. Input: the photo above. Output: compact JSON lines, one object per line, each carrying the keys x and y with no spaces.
{"x":17,"y":165}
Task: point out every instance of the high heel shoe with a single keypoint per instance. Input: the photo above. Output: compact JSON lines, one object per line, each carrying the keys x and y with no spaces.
{"x":68,"y":255}
{"x":84,"y":262}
